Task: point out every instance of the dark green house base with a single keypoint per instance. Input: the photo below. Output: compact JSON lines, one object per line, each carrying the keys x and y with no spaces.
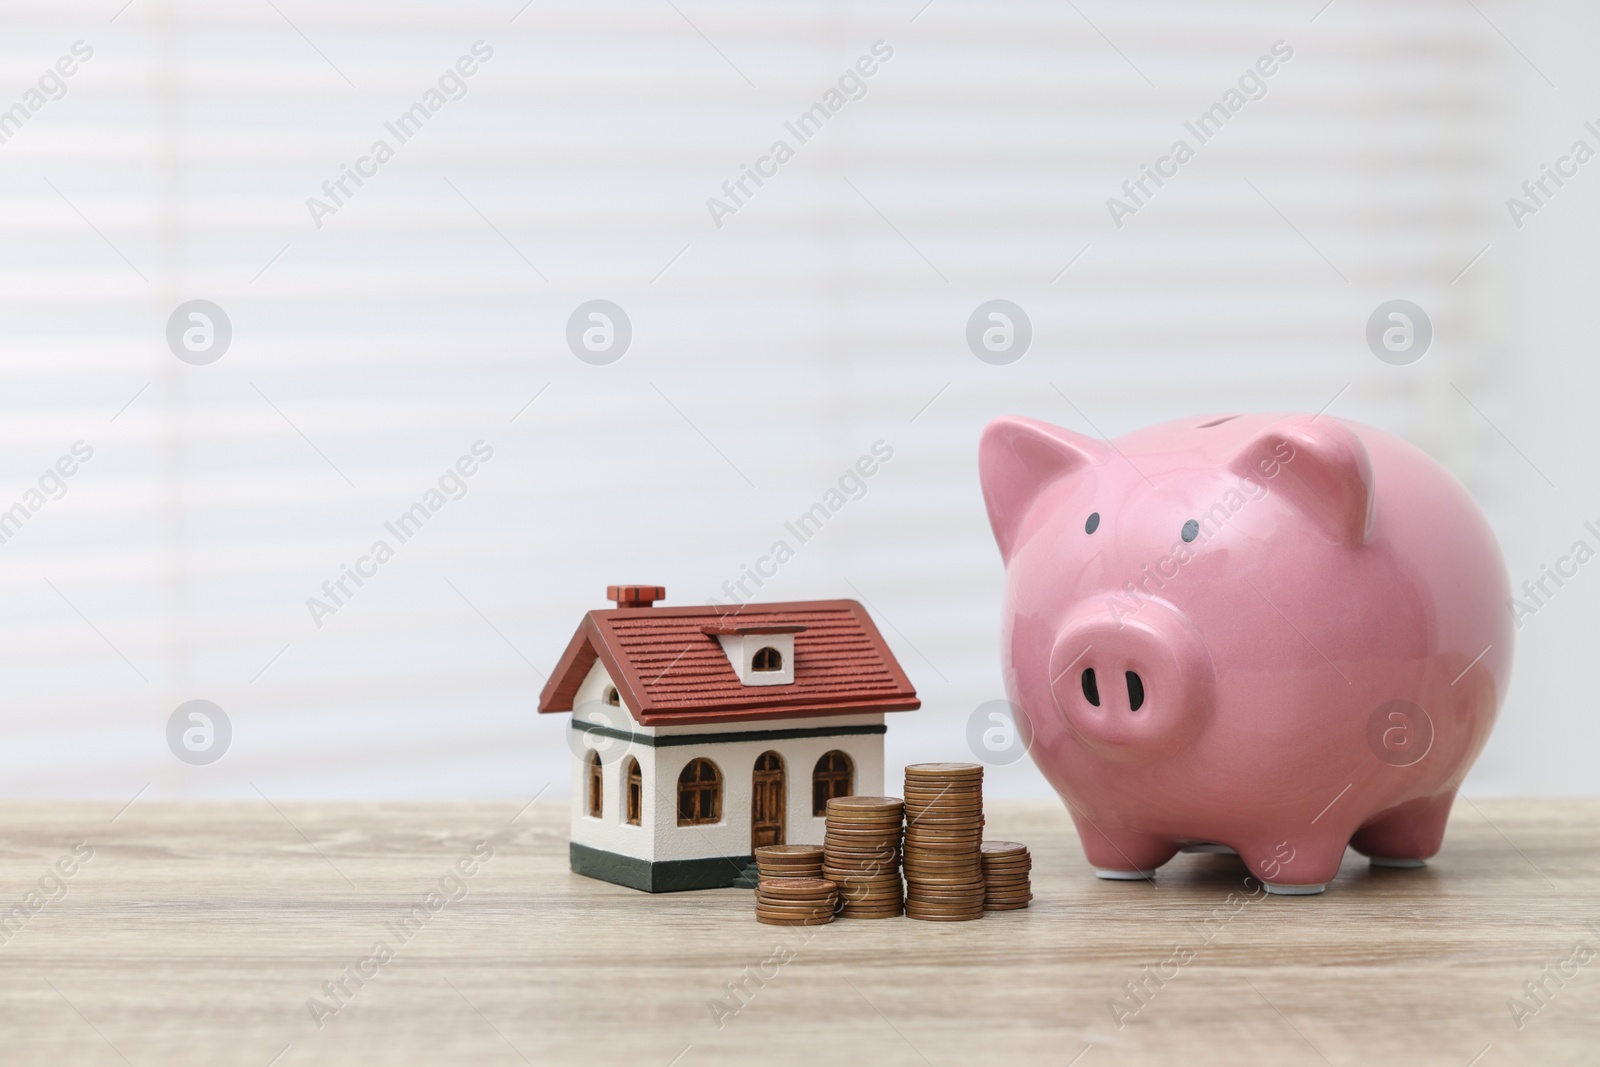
{"x":666,"y":876}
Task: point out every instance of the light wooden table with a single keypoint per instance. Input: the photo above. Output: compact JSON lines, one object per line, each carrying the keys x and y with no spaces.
{"x":196,"y":934}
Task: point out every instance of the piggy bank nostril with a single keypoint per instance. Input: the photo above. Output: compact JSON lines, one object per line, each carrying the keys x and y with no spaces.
{"x":1091,"y":691}
{"x":1135,"y":692}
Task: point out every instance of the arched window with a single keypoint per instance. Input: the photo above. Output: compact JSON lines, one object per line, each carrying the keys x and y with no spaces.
{"x":597,"y":789}
{"x":612,"y":698}
{"x":699,"y":793}
{"x":834,"y":777}
{"x":635,"y":791}
{"x":767,"y":659}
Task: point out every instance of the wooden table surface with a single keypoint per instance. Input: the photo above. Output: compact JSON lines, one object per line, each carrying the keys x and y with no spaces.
{"x":200,"y":934}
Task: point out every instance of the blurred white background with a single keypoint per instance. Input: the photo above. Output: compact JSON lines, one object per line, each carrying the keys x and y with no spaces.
{"x":828,"y":313}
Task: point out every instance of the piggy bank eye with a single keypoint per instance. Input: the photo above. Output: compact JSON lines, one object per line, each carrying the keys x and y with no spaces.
{"x":1093,"y":524}
{"x":1191,"y":530}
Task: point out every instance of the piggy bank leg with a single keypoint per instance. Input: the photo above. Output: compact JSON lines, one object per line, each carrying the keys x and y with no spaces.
{"x":1295,"y":868}
{"x":1120,"y":855}
{"x":1405,"y":836}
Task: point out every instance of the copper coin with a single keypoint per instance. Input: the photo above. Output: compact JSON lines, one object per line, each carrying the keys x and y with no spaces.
{"x":793,"y":910}
{"x":784,"y":911}
{"x":786,"y":852}
{"x":1004,"y":848}
{"x":868,"y":877}
{"x":959,"y":911}
{"x":954,"y":881}
{"x":1005,"y":907}
{"x":789,"y":870}
{"x":784,"y":876}
{"x":786,"y":906}
{"x":823,"y":921}
{"x":822,"y":916}
{"x":873,"y":863}
{"x":862,"y":883}
{"x":925,"y":916}
{"x":805,"y":887}
{"x":834,"y":836}
{"x":944,"y":769}
{"x":857,"y":803}
{"x":813,"y":903}
{"x":956,"y":903}
{"x":935,"y":865}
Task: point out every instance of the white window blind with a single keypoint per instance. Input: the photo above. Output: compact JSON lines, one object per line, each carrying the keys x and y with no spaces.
{"x":428,"y":313}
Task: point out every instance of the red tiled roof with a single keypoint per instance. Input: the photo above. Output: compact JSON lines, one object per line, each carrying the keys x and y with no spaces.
{"x":669,"y":670}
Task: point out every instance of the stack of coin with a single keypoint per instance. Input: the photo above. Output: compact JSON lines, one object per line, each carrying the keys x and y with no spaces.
{"x":1005,"y":876}
{"x":861,"y":852}
{"x":796,"y":901}
{"x":944,"y":827}
{"x":789,"y":861}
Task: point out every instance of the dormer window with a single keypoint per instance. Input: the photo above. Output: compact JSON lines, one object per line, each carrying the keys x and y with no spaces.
{"x":759,"y":653}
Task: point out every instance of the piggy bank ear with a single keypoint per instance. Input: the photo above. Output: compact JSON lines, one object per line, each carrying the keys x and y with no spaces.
{"x":1017,"y":459}
{"x":1319,"y":465}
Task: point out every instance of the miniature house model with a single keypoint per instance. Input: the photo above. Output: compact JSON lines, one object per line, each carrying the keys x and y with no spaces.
{"x":700,"y":733}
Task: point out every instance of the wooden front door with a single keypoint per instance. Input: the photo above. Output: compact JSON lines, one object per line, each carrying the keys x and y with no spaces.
{"x":767,"y":801}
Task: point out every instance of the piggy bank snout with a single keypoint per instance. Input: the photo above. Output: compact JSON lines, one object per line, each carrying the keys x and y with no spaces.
{"x":1131,"y":687}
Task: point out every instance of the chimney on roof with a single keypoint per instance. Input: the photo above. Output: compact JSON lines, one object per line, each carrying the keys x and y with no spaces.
{"x":635,"y":596}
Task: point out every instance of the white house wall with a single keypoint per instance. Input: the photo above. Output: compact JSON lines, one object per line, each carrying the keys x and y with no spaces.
{"x":659,"y":837}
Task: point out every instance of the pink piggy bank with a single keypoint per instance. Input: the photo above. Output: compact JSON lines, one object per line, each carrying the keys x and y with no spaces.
{"x":1277,"y":635}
